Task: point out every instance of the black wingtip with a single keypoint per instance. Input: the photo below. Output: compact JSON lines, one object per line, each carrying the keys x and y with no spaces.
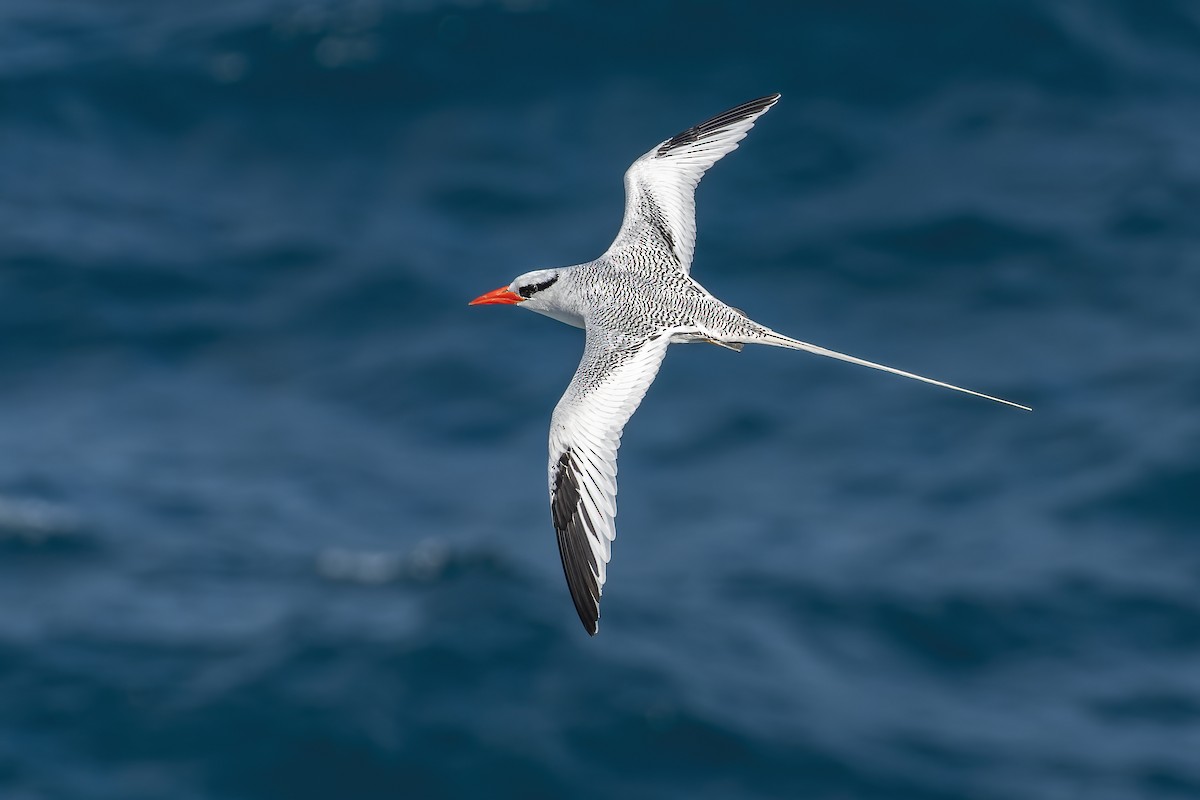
{"x":579,"y":564}
{"x":735,"y":114}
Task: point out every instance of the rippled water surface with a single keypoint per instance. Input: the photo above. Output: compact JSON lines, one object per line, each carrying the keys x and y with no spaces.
{"x":272,"y":498}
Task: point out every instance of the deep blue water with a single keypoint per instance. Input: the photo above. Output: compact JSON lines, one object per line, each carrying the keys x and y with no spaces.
{"x":272,"y":497}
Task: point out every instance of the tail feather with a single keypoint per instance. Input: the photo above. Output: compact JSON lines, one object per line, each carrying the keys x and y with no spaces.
{"x":779,"y":340}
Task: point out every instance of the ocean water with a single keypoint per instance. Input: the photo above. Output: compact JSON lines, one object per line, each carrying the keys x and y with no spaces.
{"x":273,"y":519}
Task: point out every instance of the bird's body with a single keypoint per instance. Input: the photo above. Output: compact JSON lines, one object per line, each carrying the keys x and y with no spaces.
{"x":633,"y":301}
{"x":625,"y":298}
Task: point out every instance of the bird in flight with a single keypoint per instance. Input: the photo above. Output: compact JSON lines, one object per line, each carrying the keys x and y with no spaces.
{"x":633,"y":301}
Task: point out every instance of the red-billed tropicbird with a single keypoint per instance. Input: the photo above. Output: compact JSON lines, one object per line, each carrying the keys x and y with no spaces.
{"x":632,"y":302}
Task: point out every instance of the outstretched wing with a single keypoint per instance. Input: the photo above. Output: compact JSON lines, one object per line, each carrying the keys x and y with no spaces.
{"x":585,"y":432}
{"x":660,"y":187}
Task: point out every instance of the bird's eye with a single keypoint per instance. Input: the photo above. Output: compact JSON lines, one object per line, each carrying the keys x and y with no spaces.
{"x":533,"y":288}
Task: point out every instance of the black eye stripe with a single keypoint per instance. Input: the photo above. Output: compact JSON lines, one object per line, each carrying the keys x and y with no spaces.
{"x":529,"y":291}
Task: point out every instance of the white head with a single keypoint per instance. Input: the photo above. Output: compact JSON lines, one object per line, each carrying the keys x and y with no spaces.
{"x":540,"y":291}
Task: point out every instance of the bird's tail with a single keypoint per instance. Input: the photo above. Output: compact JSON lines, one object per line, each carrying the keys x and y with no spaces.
{"x":779,"y":340}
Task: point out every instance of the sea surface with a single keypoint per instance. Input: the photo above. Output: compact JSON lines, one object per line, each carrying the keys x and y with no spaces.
{"x":273,"y":514}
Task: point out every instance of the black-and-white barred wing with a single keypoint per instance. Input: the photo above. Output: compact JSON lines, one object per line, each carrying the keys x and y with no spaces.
{"x":585,"y":433}
{"x":660,"y":187}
